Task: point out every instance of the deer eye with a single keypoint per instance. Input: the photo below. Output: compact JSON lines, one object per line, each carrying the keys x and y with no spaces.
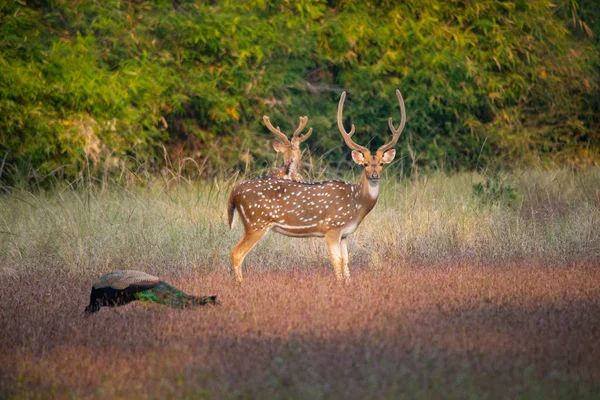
{"x":381,"y":164}
{"x":365,"y":164}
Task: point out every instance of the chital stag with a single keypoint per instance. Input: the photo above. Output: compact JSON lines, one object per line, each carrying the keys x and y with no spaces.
{"x":290,"y":149}
{"x":332,"y":209}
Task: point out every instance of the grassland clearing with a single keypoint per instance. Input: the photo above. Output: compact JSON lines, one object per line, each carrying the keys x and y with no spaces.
{"x":423,"y":332}
{"x":449,"y":296}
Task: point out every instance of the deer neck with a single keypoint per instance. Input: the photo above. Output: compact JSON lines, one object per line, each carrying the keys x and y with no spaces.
{"x":292,"y":168}
{"x":368,"y":192}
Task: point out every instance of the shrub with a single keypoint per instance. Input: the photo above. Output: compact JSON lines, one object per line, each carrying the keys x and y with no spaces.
{"x":105,"y":83}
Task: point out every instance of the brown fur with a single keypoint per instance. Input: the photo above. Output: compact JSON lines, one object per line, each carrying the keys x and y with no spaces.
{"x":332,"y":209}
{"x":290,"y":149}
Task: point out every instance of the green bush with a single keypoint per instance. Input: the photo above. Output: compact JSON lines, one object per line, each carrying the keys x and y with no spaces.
{"x":102,"y":85}
{"x":495,"y":188}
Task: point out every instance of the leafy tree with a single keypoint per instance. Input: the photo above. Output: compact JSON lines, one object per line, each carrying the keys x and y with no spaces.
{"x":102,"y":85}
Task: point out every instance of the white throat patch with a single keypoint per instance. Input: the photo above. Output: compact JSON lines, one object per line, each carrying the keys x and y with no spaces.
{"x":373,"y":188}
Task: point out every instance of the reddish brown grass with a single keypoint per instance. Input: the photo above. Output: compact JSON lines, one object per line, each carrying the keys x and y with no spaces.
{"x":416,"y":332}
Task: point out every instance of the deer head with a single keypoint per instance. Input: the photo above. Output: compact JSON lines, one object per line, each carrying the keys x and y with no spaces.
{"x":373,"y":164}
{"x":289,"y":148}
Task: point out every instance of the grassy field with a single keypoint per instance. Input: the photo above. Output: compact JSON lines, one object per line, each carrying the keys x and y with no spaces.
{"x":452,"y":295}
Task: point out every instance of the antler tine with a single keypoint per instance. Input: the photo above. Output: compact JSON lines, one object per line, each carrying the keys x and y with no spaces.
{"x":303,"y":121}
{"x":276,"y":131}
{"x":347,"y":136}
{"x":396,"y":132}
{"x":303,"y":138}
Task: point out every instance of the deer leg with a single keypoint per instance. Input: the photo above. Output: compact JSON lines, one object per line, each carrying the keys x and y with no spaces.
{"x":335,"y":252}
{"x":344,"y":250}
{"x":242,"y":248}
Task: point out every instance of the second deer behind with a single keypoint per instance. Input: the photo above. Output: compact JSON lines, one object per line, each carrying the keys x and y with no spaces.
{"x":290,"y":149}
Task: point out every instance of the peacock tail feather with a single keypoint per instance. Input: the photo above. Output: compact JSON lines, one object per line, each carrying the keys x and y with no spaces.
{"x":163,"y":293}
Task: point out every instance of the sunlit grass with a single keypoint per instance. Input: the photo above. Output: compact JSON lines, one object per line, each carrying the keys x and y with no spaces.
{"x":451,"y":296}
{"x":182,"y":227}
{"x":517,"y":331}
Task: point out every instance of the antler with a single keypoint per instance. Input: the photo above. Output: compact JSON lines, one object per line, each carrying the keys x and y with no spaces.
{"x":303,"y":121}
{"x":396,"y":132}
{"x":303,"y":138}
{"x":281,"y":135}
{"x":276,"y":131}
{"x":347,"y":136}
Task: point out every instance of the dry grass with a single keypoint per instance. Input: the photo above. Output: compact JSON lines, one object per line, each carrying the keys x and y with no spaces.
{"x":417,"y":332}
{"x":433,"y":220}
{"x":450,"y":297}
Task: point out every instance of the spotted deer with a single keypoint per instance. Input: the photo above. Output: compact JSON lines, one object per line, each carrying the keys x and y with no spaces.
{"x":290,"y":149}
{"x":331,"y":209}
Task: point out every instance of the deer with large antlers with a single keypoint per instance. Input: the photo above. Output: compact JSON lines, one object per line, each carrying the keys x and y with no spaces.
{"x":331,"y":209}
{"x":290,"y":149}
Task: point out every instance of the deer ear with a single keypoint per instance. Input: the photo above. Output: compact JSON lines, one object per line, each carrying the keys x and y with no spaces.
{"x":278,"y":146}
{"x":358,"y":157}
{"x":388,"y":156}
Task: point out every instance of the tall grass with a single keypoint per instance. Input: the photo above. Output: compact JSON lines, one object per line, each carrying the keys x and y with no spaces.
{"x":182,"y":227}
{"x":397,"y":330}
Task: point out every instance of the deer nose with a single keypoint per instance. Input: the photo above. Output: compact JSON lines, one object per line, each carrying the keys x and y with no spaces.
{"x":375,"y":175}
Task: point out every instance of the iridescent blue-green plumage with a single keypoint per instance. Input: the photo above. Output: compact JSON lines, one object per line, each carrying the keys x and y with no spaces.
{"x":163,"y":293}
{"x":121,"y":287}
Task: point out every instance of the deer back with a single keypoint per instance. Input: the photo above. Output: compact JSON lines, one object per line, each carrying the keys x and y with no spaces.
{"x":296,"y":208}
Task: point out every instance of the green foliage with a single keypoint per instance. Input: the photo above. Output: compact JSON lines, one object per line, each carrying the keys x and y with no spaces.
{"x":103,"y":84}
{"x":494,"y":188}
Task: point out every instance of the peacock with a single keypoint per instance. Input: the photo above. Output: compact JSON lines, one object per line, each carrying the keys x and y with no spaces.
{"x":121,"y":287}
